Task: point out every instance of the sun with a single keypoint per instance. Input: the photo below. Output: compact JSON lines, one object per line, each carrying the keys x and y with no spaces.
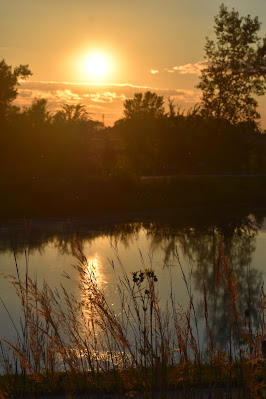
{"x":95,"y":66}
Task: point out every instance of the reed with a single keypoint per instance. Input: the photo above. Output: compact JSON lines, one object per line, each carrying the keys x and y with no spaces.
{"x":69,"y":344}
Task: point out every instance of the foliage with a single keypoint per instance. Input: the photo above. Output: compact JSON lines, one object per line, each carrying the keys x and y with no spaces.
{"x":9,"y":80}
{"x":144,"y":105}
{"x":72,"y":113}
{"x":37,"y":114}
{"x":236,"y":70}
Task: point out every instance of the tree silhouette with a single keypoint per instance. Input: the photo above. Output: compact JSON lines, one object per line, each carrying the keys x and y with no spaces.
{"x":236,"y":70}
{"x":72,"y":113}
{"x":9,"y":80}
{"x":37,"y":114}
{"x":144,"y":105}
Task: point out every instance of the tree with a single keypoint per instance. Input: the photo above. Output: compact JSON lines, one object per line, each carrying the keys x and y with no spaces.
{"x":75,"y":116}
{"x":236,"y":70}
{"x":72,"y":114}
{"x":37,"y":114}
{"x":9,"y":80}
{"x":144,"y":105}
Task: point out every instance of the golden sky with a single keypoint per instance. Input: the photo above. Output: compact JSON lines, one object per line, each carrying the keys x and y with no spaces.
{"x":101,"y":52}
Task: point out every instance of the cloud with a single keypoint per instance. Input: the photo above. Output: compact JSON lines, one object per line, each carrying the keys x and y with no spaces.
{"x":190,"y":69}
{"x":187,"y":69}
{"x":67,"y":96}
{"x":100,"y":99}
{"x":106,"y":97}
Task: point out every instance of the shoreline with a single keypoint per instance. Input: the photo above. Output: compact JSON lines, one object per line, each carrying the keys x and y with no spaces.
{"x":96,"y":195}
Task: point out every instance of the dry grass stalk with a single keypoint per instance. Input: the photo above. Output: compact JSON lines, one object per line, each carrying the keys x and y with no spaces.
{"x":84,"y":336}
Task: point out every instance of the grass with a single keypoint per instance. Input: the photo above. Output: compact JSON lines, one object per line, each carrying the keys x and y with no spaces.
{"x":77,"y":344}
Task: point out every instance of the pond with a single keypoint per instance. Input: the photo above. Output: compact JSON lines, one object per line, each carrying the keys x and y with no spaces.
{"x":177,"y":245}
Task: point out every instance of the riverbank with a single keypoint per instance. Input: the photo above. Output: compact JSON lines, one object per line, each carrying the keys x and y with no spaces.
{"x":78,"y":197}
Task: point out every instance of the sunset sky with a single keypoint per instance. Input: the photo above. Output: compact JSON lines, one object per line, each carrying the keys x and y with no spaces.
{"x":100,"y":52}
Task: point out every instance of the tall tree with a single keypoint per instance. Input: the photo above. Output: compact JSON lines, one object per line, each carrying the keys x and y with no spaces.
{"x":236,"y":70}
{"x":72,"y":114}
{"x":144,"y":105}
{"x":9,"y":80}
{"x":37,"y":113}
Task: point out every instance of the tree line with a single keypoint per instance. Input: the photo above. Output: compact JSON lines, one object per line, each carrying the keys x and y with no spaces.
{"x":219,"y":135}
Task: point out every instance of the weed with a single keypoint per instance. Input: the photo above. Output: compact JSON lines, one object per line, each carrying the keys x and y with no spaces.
{"x":69,"y":344}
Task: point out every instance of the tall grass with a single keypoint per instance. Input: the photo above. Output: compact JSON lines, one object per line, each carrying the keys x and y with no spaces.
{"x":70,"y":344}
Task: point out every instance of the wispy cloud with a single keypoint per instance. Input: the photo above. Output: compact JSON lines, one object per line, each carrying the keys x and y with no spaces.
{"x":186,"y":69}
{"x":98,"y":98}
{"x":190,"y":69}
{"x":67,"y":96}
{"x":106,"y":97}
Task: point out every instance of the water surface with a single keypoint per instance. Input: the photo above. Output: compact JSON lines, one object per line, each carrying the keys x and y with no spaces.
{"x":170,"y":243}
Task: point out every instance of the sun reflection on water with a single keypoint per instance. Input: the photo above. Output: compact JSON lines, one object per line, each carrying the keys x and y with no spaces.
{"x":94,"y":269}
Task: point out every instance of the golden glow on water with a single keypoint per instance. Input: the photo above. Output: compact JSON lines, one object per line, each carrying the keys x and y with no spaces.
{"x":94,"y":270}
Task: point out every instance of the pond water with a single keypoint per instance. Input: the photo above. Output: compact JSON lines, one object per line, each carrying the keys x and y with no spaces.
{"x":171,"y":243}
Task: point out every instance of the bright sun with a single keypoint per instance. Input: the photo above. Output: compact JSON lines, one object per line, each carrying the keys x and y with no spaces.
{"x":96,"y":65}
